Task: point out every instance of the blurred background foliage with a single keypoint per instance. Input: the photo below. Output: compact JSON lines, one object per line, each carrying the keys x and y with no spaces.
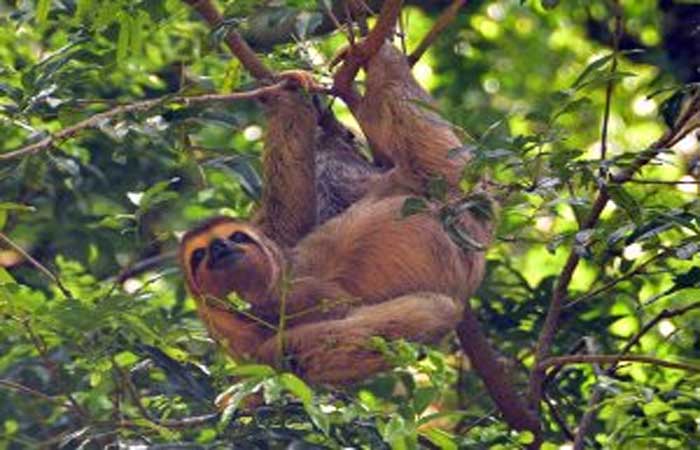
{"x":113,"y":355}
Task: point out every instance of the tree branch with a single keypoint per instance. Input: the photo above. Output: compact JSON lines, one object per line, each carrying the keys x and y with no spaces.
{"x":40,"y":267}
{"x":442,"y":22}
{"x":99,"y":119}
{"x":357,"y":55}
{"x":614,"y":359}
{"x":611,"y":284}
{"x":235,"y":42}
{"x":17,"y":387}
{"x":173,"y":423}
{"x":663,"y":182}
{"x":498,"y":382}
{"x":617,"y":13}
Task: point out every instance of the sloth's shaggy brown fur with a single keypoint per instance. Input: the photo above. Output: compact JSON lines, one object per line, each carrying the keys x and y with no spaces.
{"x":366,"y":272}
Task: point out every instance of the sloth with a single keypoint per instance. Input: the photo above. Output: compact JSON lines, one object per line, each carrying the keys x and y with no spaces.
{"x":320,"y":283}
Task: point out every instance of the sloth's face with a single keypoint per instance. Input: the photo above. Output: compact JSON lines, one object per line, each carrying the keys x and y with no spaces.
{"x":224,"y":256}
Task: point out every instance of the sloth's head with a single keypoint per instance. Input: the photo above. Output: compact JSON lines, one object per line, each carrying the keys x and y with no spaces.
{"x":224,"y":255}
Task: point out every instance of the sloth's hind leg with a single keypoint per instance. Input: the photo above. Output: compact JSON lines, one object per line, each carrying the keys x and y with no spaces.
{"x":342,"y":352}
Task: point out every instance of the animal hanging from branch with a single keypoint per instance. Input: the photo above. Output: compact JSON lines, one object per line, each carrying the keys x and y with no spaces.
{"x":319,"y":292}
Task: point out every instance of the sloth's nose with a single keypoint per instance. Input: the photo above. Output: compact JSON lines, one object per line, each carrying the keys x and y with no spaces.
{"x":219,"y":250}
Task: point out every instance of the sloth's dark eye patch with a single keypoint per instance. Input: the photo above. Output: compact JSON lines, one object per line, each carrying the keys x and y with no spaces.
{"x":197,"y":258}
{"x":240,"y":237}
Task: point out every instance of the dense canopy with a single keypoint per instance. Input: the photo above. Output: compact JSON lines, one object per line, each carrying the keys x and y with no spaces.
{"x":582,"y":116}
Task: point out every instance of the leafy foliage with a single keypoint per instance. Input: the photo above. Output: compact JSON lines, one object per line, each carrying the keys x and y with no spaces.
{"x":113,"y":351}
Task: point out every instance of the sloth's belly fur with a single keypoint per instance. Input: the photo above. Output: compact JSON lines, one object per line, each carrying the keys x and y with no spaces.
{"x":373,"y":253}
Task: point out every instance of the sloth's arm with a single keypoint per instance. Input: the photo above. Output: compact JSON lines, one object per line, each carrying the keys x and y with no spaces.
{"x":398,"y":117}
{"x":288,"y":209}
{"x":342,"y":352}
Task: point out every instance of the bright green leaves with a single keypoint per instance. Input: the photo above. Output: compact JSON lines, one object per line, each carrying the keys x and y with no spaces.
{"x":130,"y":40}
{"x":42,"y":11}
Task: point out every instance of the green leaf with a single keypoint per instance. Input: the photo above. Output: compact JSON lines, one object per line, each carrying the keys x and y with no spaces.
{"x":137,"y":24}
{"x":156,"y":195}
{"x":624,"y":200}
{"x":655,"y":408}
{"x":423,"y":397}
{"x":42,"y":11}
{"x":574,"y":106}
{"x":126,"y":359}
{"x":5,"y":277}
{"x":413,"y":205}
{"x":688,"y":279}
{"x":253,"y":370}
{"x":124,"y":38}
{"x":526,"y":437}
{"x":672,"y":107}
{"x":591,"y":68}
{"x":297,"y":387}
{"x":437,"y":189}
{"x":9,"y":206}
{"x":441,"y":438}
{"x":82,"y":10}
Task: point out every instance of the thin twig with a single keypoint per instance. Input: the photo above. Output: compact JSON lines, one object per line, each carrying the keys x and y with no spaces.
{"x":177,"y":423}
{"x":557,"y":417}
{"x":556,"y":361}
{"x":357,"y":10}
{"x":611,"y":284}
{"x":41,"y":348}
{"x":336,"y":23}
{"x":673,"y":183}
{"x":17,"y":387}
{"x":442,"y":22}
{"x":144,"y":265}
{"x":40,"y":267}
{"x":617,"y":13}
{"x":97,"y":120}
{"x":664,"y":314}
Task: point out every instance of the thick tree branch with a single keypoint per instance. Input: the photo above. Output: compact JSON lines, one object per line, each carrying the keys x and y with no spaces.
{"x":357,"y":55}
{"x":498,"y":381}
{"x":235,"y":42}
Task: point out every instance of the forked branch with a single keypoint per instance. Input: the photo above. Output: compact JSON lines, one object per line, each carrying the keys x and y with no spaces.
{"x":360,"y":53}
